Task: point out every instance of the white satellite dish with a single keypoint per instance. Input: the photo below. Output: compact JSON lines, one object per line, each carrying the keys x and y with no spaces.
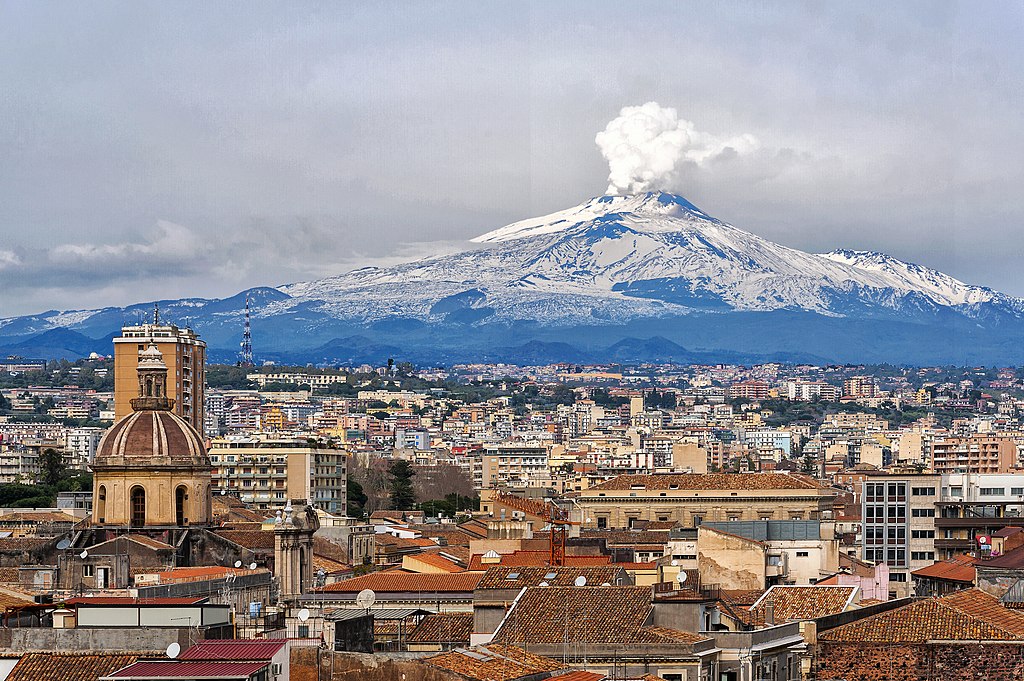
{"x":83,"y":554}
{"x":544,"y":584}
{"x":681,"y":577}
{"x":173,"y":650}
{"x":607,"y":584}
{"x":580,"y":581}
{"x":303,"y":614}
{"x":238,"y":563}
{"x":63,"y":544}
{"x":674,"y":562}
{"x":223,"y":492}
{"x":252,"y":566}
{"x":366,"y":598}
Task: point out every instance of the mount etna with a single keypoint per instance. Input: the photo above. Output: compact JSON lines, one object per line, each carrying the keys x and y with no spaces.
{"x":647,"y":277}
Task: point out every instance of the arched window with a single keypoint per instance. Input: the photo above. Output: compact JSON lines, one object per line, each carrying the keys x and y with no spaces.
{"x":138,"y":510}
{"x":101,"y":503}
{"x":180,"y":495}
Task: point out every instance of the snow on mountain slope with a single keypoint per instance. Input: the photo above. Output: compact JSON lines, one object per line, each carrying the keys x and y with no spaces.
{"x":653,"y":254}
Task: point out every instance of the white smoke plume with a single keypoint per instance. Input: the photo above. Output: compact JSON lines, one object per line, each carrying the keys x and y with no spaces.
{"x":645,"y":146}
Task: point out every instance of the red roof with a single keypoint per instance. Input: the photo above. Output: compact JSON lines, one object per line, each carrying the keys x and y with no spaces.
{"x":958,"y":569}
{"x":233,"y":649}
{"x":408,"y":581}
{"x":178,"y":669}
{"x":536,"y":559}
{"x":129,"y":600}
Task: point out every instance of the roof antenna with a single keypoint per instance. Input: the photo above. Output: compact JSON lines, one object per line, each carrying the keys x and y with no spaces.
{"x":156,"y":314}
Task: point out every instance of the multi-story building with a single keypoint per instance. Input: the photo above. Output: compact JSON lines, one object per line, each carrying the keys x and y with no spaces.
{"x":80,"y":446}
{"x":690,"y":499}
{"x":898,"y":516}
{"x":806,"y":391}
{"x":974,"y":506}
{"x":769,"y":438}
{"x":268,"y":473}
{"x":513,"y":466}
{"x":183,"y":353}
{"x":974,"y":454}
{"x":859,"y":386}
{"x":750,"y":390}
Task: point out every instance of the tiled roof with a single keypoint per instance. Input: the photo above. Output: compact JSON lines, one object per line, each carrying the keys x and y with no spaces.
{"x":249,"y":539}
{"x":9,"y":600}
{"x":180,"y":669}
{"x":655,"y":635}
{"x":233,"y":649}
{"x":1013,"y":559}
{"x":68,"y":666}
{"x":537,"y":559}
{"x":132,"y":600}
{"x":629,"y":537}
{"x":452,"y":534}
{"x":966,"y":615}
{"x":407,"y":581}
{"x":38,"y":517}
{"x":580,"y":675}
{"x":587,"y":614}
{"x":328,"y":549}
{"x":440,"y":627}
{"x":711,"y":481}
{"x":958,"y":569}
{"x":493,"y":662}
{"x":433,"y":559}
{"x":9,"y":575}
{"x":787,"y":603}
{"x":21,"y":543}
{"x":503,"y":577}
{"x":533,"y":507}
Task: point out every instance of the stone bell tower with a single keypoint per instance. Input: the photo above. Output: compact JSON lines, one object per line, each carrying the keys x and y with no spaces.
{"x":293,"y":549}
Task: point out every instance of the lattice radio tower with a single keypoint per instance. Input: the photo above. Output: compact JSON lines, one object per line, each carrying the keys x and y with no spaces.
{"x":246,"y":354}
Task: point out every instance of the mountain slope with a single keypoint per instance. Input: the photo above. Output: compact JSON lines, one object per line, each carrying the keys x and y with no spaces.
{"x":649,"y":276}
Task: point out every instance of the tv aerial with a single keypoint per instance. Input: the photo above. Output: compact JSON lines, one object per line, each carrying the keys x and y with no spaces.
{"x":366,"y":598}
{"x":174,"y":650}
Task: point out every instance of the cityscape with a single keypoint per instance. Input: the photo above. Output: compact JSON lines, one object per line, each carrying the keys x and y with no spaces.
{"x":366,"y":400}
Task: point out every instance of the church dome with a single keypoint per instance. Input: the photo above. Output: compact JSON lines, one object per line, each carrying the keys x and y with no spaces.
{"x":152,"y":438}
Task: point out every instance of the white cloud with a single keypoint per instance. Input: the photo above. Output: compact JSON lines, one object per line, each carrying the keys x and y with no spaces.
{"x":8,"y":259}
{"x":645,"y":145}
{"x":167,"y":242}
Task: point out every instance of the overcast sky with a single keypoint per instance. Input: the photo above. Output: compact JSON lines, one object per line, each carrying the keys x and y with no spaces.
{"x":155,"y":149}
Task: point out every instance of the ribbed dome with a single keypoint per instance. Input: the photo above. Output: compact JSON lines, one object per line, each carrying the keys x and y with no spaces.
{"x":149,"y":439}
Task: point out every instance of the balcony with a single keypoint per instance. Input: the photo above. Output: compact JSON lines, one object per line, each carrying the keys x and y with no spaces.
{"x":955,"y":544}
{"x":996,"y":523}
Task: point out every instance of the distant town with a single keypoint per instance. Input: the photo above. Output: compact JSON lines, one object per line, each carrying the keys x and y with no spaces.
{"x":609,"y":521}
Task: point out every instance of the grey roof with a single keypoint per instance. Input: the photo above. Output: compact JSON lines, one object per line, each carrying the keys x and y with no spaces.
{"x":379,"y":615}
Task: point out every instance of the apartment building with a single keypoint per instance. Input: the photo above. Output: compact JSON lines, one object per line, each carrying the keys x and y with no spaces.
{"x":80,"y":446}
{"x":513,"y":467}
{"x":183,"y":353}
{"x":972,"y":507}
{"x":691,"y":499}
{"x":268,"y":473}
{"x":974,"y":454}
{"x":898,"y":516}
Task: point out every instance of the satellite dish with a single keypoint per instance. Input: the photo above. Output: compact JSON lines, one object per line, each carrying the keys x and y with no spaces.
{"x":63,"y":544}
{"x":238,"y":563}
{"x":83,"y":554}
{"x":681,"y":577}
{"x":607,"y":584}
{"x":303,"y":614}
{"x":223,"y":492}
{"x":366,"y":598}
{"x":580,"y":581}
{"x":173,"y":650}
{"x":674,"y":562}
{"x":544,"y":584}
{"x":252,"y":566}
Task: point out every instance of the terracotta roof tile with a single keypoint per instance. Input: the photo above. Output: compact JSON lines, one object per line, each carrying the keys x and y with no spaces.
{"x":254,"y":540}
{"x":433,"y":559}
{"x":967,"y":615}
{"x":787,"y":603}
{"x":443,"y":627}
{"x":68,"y":666}
{"x":537,"y":559}
{"x":711,"y":481}
{"x":586,"y":614}
{"x":407,"y":582}
{"x":504,"y":577}
{"x":493,"y":662}
{"x":538,"y":509}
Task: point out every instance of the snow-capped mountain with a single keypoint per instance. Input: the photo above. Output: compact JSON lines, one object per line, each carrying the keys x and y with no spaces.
{"x":618,"y":257}
{"x":615,"y":277}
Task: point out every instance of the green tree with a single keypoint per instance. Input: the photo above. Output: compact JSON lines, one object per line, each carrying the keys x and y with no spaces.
{"x":400,"y":474}
{"x":52,"y":466}
{"x":356,"y":498}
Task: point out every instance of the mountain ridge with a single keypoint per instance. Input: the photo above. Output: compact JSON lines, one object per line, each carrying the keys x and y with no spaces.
{"x":653,"y":269}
